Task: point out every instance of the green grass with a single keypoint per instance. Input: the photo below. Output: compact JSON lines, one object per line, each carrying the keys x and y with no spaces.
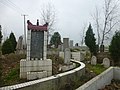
{"x":97,"y":69}
{"x":12,"y":77}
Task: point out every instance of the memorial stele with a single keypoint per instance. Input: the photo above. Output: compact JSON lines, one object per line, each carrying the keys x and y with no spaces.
{"x":36,"y":65}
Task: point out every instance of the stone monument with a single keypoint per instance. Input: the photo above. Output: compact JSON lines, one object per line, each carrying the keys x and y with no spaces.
{"x":67,"y":56}
{"x":93,"y":60}
{"x":65,"y":43}
{"x":19,"y":46}
{"x":68,"y":65}
{"x":36,"y":65}
{"x":71,"y":43}
{"x":36,"y":41}
{"x":106,"y":62}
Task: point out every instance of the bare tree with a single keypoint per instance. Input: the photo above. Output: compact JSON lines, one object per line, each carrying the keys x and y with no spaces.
{"x":48,"y":16}
{"x":111,"y":16}
{"x":96,"y":17}
{"x":108,"y":21}
{"x":83,"y":34}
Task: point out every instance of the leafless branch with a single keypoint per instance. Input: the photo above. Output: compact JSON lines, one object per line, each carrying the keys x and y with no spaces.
{"x":48,"y":16}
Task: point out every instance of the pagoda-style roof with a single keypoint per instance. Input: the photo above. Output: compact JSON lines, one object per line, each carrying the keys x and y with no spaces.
{"x":37,"y":27}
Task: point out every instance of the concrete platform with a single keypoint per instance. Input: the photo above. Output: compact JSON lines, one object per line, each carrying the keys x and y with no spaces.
{"x":35,"y":66}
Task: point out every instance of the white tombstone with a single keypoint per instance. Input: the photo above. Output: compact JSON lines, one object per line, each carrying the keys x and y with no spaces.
{"x":106,"y":62}
{"x":67,"y":56}
{"x":93,"y":60}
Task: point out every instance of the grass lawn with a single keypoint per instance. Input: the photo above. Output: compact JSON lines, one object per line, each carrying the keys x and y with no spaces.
{"x":97,"y":69}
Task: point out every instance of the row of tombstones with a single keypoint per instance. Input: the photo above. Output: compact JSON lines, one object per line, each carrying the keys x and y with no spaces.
{"x":106,"y":61}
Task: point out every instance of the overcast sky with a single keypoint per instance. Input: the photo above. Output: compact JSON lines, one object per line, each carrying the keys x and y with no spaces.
{"x":71,"y":15}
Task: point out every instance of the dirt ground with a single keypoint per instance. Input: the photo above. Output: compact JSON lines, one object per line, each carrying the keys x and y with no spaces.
{"x":115,"y":85}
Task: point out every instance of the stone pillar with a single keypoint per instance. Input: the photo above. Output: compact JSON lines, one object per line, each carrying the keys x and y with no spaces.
{"x":67,"y":56}
{"x":45,"y":46}
{"x":65,"y":43}
{"x":71,"y":43}
{"x":28,"y":44}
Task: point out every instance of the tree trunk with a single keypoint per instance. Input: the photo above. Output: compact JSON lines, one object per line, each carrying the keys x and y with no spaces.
{"x":101,"y":48}
{"x":97,"y":48}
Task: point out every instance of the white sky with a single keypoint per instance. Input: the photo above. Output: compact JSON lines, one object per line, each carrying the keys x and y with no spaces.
{"x":71,"y":15}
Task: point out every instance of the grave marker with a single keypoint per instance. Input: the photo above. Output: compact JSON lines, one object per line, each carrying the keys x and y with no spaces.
{"x":67,"y":56}
{"x":65,"y":43}
{"x":106,"y":62}
{"x":93,"y":60}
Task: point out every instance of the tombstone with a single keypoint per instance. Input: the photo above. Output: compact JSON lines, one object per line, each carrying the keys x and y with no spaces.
{"x":20,"y":46}
{"x":36,"y":41}
{"x":106,"y":62}
{"x":36,"y":63}
{"x":65,"y":43}
{"x":60,"y":47}
{"x":71,"y":43}
{"x":93,"y":60}
{"x":67,"y":56}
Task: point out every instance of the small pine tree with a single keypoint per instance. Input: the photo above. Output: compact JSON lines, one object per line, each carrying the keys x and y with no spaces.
{"x":114,"y":48}
{"x":13,"y":40}
{"x":55,"y":39}
{"x":7,"y":47}
{"x":90,"y":40}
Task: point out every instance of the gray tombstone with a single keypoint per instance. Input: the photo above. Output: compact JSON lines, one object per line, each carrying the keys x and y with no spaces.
{"x":71,"y":43}
{"x":106,"y":62}
{"x":20,"y":43}
{"x":20,"y":46}
{"x":93,"y":60}
{"x":37,"y":44}
{"x":36,"y":41}
{"x":67,"y":56}
{"x":65,"y":43}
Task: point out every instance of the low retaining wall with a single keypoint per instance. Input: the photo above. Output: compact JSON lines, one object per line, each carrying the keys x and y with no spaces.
{"x":101,"y":80}
{"x":116,"y":73}
{"x":51,"y":83}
